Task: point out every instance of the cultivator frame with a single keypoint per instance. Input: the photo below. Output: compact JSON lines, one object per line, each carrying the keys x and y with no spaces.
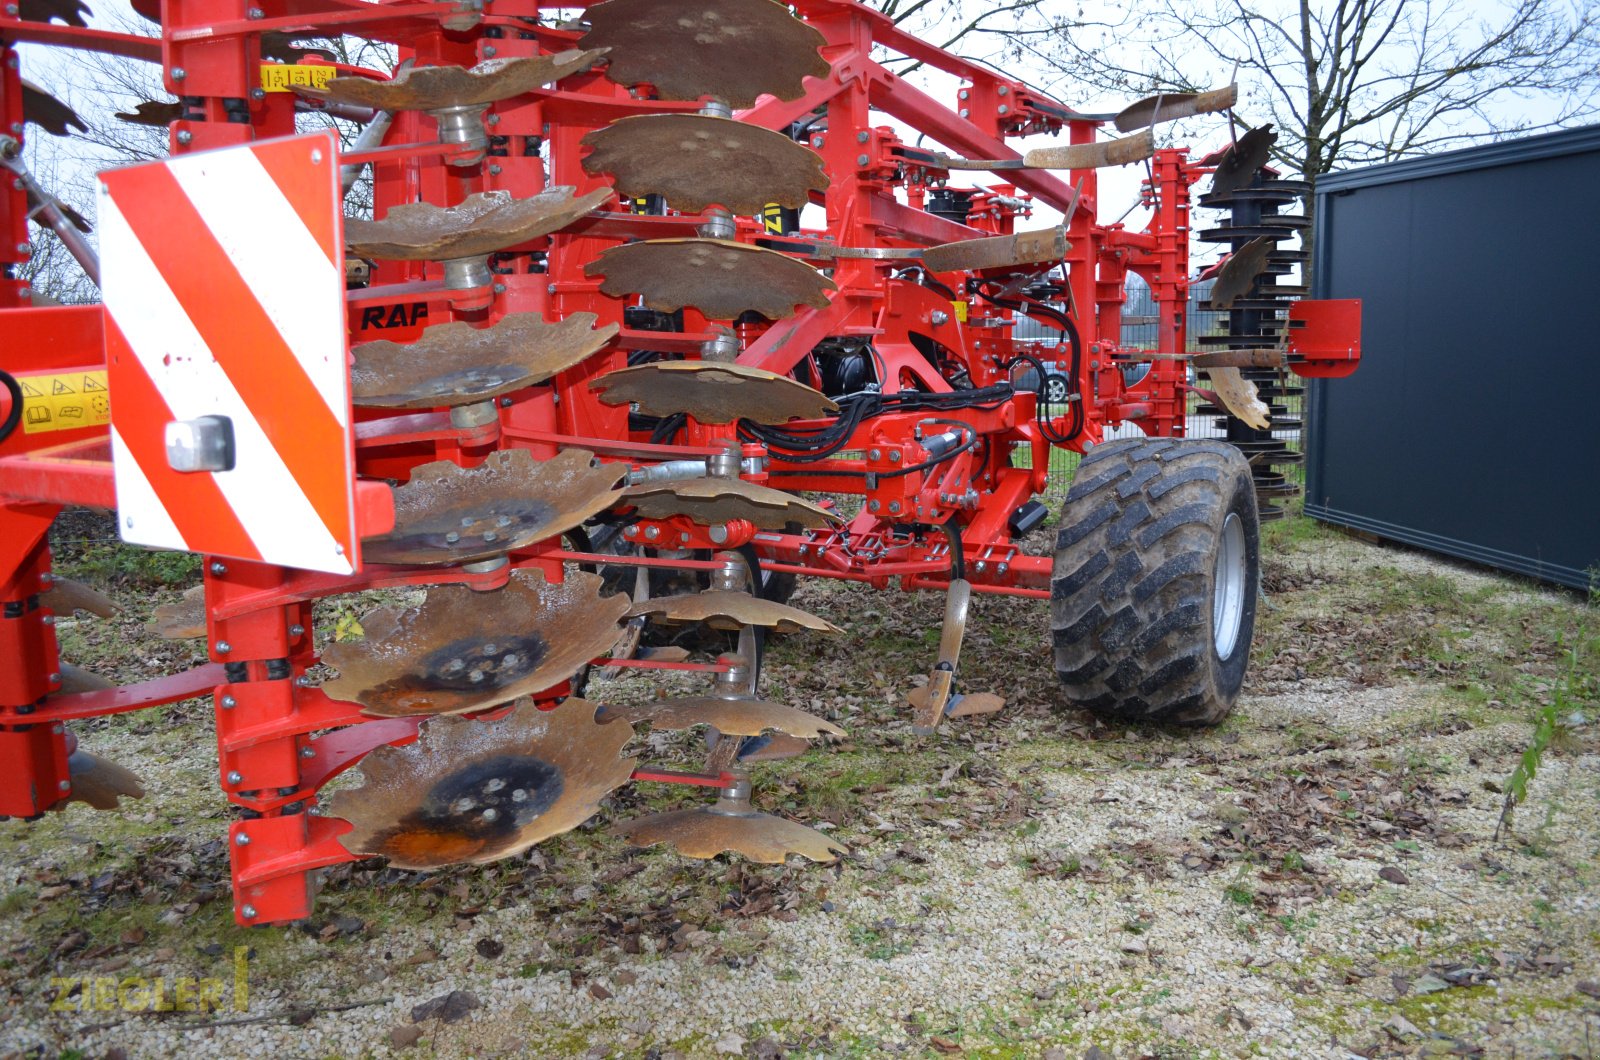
{"x":942,"y":504}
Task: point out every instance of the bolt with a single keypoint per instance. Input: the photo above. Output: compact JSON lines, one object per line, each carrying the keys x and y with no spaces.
{"x":632,"y":531}
{"x":965,"y":113}
{"x":550,"y":289}
{"x":302,"y":681}
{"x":652,"y":532}
{"x":488,"y":51}
{"x":258,"y":93}
{"x":816,"y":141}
{"x":58,"y":728}
{"x":223,"y":647}
{"x":49,"y":620}
{"x":982,"y":566}
{"x":308,"y":752}
{"x":11,"y":9}
{"x":874,"y":454}
{"x":316,"y":155}
{"x":494,"y":171}
{"x":861,"y":160}
{"x":493,"y":119}
{"x":684,"y":537}
{"x":939,"y":316}
{"x":179,"y":73}
{"x":862,"y":137}
{"x":500,"y":288}
{"x":64,"y":785}
{"x":219,"y":569}
{"x":718,"y":534}
{"x":895,"y":455}
{"x":964,"y":94}
{"x":248,"y":912}
{"x":1004,"y":90}
{"x":254,"y":13}
{"x":297,"y":630}
{"x":228,"y":703}
{"x":55,"y":679}
{"x":1002,"y":568}
{"x":894,"y":506}
{"x":1003,"y":109}
{"x":873,"y":506}
{"x":22,"y":248}
{"x":236,"y":778}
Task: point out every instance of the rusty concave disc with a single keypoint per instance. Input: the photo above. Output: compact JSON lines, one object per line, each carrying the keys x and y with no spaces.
{"x":482,"y":224}
{"x":462,"y":650}
{"x":720,"y":278}
{"x":712,"y":393}
{"x":436,"y":87}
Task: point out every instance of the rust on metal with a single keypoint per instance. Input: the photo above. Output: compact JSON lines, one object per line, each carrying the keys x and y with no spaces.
{"x":712,"y":392}
{"x":1240,"y":359}
{"x":152,"y":113}
{"x":1239,"y":273}
{"x":473,"y":791}
{"x":695,"y":161}
{"x":458,"y":364}
{"x":721,"y":609}
{"x":1242,"y":160}
{"x":734,"y":717}
{"x":75,"y":679}
{"x":182,"y":619}
{"x":462,"y":650}
{"x":712,"y":501}
{"x":66,"y":596}
{"x":1170,"y":106}
{"x":720,"y":278}
{"x":730,"y":826}
{"x":1097,"y":155}
{"x":732,"y":50}
{"x":483,"y":223}
{"x":437,"y":87}
{"x":1238,"y":395}
{"x":48,"y":112}
{"x":450,"y":514}
{"x":997,"y":252}
{"x":100,"y":782}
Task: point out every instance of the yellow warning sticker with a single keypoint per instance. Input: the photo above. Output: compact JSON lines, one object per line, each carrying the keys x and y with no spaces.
{"x":961,"y":310}
{"x":64,"y":402}
{"x":282,"y":77}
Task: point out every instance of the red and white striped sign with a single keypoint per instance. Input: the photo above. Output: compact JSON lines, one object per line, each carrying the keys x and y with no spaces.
{"x":224,"y":296}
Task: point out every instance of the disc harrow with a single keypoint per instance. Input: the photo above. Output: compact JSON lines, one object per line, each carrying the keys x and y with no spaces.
{"x":651,"y":315}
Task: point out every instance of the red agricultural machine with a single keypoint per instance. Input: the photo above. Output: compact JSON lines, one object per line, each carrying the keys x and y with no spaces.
{"x":657,"y":309}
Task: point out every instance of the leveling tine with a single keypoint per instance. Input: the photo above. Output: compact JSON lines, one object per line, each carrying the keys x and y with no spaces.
{"x":471,"y":791}
{"x":730,"y":825}
{"x":712,"y":501}
{"x":732,"y":717}
{"x":1170,"y":106}
{"x":722,"y":609}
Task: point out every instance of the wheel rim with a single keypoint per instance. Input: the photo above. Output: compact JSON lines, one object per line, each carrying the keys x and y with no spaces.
{"x":1228,"y":583}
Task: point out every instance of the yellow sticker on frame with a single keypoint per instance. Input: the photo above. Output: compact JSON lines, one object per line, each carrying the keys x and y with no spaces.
{"x":284,"y":77}
{"x":66,"y":402}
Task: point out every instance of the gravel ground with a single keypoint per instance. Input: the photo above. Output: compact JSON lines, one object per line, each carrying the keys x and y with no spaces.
{"x":1316,"y":877}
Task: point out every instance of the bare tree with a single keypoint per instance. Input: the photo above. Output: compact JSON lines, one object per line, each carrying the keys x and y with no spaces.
{"x":1355,"y":81}
{"x":981,"y":30}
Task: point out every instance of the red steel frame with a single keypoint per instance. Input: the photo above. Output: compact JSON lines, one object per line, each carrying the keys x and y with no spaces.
{"x":278,"y":738}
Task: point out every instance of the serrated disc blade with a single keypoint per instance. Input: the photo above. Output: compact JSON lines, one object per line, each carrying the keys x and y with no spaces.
{"x":71,"y":12}
{"x":1239,"y":396}
{"x":184,"y":618}
{"x":722,"y":609}
{"x":458,"y":364}
{"x":450,"y":514}
{"x":705,"y":833}
{"x":100,"y":782}
{"x":1097,"y":155}
{"x":735,"y":717}
{"x":152,"y":113}
{"x":1170,"y":106}
{"x":720,"y":278}
{"x":712,"y":393}
{"x":695,"y":161}
{"x":732,"y":50}
{"x":997,"y":252}
{"x":48,"y":112}
{"x":472,"y":791}
{"x":483,"y":223}
{"x":66,"y":596}
{"x":75,"y":679}
{"x":437,"y":87}
{"x":462,"y":650}
{"x":712,"y":501}
{"x":1240,"y":272}
{"x":1243,"y":160}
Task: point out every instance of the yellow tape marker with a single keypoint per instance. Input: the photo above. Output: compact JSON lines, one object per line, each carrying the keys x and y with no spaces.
{"x":282,"y":77}
{"x":64,"y":402}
